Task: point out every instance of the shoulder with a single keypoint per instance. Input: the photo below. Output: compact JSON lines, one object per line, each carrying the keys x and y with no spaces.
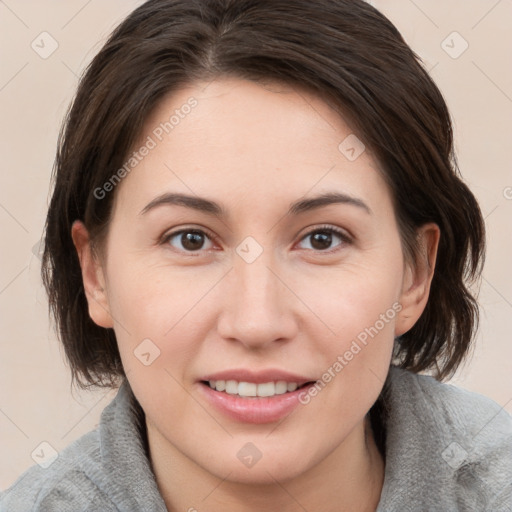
{"x":461,"y":439}
{"x":107,"y":469}
{"x":468,"y":413}
{"x":64,"y":485}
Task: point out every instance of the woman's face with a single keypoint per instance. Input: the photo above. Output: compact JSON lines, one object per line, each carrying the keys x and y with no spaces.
{"x":252,"y":277}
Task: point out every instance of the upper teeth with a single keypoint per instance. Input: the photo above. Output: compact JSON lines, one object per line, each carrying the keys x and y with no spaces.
{"x":234,"y":387}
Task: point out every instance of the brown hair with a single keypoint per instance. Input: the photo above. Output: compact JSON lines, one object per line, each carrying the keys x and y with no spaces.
{"x":347,"y":53}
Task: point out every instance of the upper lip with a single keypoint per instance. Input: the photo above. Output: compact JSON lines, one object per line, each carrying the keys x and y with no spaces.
{"x":258,"y":377}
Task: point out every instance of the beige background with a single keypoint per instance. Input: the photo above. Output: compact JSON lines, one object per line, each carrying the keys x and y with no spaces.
{"x":36,"y":402}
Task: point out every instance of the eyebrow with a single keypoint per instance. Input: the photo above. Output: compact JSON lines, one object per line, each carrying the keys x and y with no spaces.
{"x":212,"y":208}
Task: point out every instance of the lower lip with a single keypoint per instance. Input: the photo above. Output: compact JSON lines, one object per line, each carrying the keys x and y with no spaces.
{"x":254,"y":409}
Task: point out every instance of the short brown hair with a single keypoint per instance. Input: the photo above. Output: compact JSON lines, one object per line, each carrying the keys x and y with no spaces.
{"x":347,"y":53}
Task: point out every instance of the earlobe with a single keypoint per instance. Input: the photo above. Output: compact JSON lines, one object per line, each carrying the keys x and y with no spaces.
{"x":418,"y":278}
{"x":92,"y":276}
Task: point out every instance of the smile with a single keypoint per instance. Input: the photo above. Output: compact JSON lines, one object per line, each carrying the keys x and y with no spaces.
{"x":251,"y":389}
{"x":248,"y":402}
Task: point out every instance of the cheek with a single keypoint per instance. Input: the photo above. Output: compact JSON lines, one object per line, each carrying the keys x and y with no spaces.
{"x":353,"y":298}
{"x":360,"y":309}
{"x":159,"y":310}
{"x":359,"y":303}
{"x":151,"y":296}
{"x":157,"y":336}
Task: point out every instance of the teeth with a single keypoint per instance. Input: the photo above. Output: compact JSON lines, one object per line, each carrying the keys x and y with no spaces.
{"x":233,"y":387}
{"x":220,"y":385}
{"x":281,"y":387}
{"x":247,"y":389}
{"x":266,"y":389}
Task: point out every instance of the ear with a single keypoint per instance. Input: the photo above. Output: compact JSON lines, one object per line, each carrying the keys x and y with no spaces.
{"x":92,"y":276}
{"x":418,"y":278}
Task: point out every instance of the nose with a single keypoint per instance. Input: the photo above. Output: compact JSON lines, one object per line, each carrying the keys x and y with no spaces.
{"x":258,"y":307}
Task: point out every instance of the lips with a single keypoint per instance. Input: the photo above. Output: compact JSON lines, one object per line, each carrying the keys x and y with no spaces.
{"x":259,"y":377}
{"x":245,"y":396}
{"x":250,"y":389}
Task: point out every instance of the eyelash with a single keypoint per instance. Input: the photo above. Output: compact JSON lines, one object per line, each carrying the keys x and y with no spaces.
{"x":345,"y":239}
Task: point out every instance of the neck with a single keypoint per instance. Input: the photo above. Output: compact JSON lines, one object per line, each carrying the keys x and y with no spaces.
{"x":349,"y":478}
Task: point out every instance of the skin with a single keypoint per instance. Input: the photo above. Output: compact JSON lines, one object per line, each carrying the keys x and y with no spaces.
{"x":255,"y":149}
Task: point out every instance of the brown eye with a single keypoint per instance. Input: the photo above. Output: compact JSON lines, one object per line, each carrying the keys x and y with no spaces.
{"x":322,"y":239}
{"x":188,"y":240}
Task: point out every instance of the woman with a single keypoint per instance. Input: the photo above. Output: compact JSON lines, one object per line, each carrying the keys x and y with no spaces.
{"x":259,"y":232}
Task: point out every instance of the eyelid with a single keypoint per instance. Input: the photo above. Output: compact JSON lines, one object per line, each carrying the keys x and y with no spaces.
{"x":341,"y":233}
{"x":185,"y":229}
{"x":346,"y":238}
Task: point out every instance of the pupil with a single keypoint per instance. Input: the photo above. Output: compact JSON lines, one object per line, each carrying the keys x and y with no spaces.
{"x":321,"y":240}
{"x":191,"y":240}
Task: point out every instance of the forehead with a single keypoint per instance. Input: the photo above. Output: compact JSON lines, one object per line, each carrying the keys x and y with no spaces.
{"x":252,"y":141}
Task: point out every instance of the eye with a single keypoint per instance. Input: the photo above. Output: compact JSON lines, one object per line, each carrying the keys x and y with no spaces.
{"x":322,"y":238}
{"x":188,"y":240}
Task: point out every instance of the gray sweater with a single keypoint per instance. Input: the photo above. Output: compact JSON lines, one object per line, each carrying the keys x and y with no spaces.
{"x":446,"y":449}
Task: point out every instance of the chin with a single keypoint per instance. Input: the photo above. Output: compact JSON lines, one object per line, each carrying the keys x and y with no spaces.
{"x":259,"y":462}
{"x":262,"y":473}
